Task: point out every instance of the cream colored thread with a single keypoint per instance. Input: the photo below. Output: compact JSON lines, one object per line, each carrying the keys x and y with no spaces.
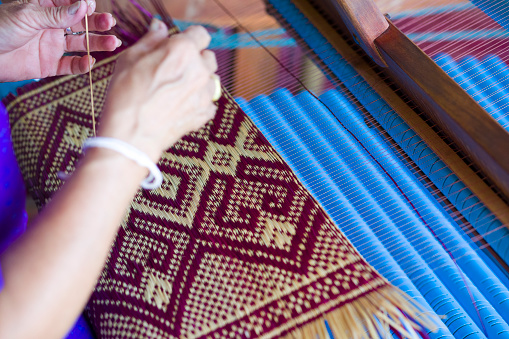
{"x":90,"y":75}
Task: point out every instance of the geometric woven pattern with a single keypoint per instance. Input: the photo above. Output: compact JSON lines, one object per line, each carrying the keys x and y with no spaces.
{"x":231,"y":245}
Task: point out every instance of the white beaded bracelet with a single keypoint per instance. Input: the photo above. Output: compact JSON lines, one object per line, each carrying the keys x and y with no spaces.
{"x":154,"y":179}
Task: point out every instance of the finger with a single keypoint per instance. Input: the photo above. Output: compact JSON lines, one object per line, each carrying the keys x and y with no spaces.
{"x":91,"y":6}
{"x":75,"y":65}
{"x":58,"y":17}
{"x":156,"y":34}
{"x":59,"y":3}
{"x":211,"y":111}
{"x":205,"y":116}
{"x":209,"y":59}
{"x":97,"y":22}
{"x":78,"y":43}
{"x":209,"y":90}
{"x":56,"y":3}
{"x":198,"y":35}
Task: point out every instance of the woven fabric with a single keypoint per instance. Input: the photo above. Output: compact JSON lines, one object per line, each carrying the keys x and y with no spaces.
{"x":230,"y":246}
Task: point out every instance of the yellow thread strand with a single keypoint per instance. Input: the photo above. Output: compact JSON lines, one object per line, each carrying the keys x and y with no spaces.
{"x":90,"y":75}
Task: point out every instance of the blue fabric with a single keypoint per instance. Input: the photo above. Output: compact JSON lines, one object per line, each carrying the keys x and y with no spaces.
{"x":11,"y":87}
{"x":80,"y":330}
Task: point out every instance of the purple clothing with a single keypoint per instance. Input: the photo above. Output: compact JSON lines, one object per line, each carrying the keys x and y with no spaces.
{"x":13,"y":217}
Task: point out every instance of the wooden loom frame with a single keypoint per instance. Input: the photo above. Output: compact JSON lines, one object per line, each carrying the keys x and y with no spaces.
{"x":477,"y":134}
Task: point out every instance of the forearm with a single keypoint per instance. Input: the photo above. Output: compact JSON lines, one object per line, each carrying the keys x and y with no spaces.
{"x":51,"y":271}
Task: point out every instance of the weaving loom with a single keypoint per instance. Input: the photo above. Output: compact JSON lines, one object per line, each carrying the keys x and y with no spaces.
{"x":390,"y":179}
{"x":302,"y":127}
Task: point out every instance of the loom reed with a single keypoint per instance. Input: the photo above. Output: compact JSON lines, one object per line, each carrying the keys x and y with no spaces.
{"x":456,"y":214}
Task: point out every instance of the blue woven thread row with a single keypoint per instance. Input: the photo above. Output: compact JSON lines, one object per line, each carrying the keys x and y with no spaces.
{"x":461,"y":251}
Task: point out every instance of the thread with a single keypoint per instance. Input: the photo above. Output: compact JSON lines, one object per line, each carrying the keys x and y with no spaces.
{"x":90,"y":75}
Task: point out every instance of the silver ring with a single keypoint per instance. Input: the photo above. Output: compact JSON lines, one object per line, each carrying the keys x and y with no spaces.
{"x":217,"y":87}
{"x":68,"y":31}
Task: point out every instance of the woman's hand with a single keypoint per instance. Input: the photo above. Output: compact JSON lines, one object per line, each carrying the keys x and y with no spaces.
{"x":162,"y":89}
{"x":32,"y":38}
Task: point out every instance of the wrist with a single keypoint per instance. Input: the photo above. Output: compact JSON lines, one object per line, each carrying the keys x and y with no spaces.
{"x":144,"y":144}
{"x":103,"y":160}
{"x":155,"y":177}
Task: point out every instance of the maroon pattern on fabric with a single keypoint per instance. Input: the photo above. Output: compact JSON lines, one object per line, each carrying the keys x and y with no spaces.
{"x":231,"y":245}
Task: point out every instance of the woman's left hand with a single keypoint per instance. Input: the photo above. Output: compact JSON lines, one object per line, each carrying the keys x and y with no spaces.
{"x":33,"y":39}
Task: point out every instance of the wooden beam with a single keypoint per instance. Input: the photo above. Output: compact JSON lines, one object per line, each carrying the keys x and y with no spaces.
{"x":438,"y":146}
{"x":449,"y":106}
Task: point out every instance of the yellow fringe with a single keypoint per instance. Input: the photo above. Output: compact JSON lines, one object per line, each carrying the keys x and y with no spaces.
{"x":370,"y":317}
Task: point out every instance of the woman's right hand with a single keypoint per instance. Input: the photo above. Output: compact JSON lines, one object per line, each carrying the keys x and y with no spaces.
{"x":162,"y":89}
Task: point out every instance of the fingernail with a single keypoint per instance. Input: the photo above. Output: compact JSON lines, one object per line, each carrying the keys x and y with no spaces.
{"x":92,"y":63}
{"x":91,"y":7}
{"x":119,"y":42}
{"x":73,"y":9}
{"x":155,"y":25}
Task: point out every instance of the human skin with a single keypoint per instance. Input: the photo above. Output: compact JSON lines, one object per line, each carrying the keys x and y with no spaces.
{"x":161,"y":90}
{"x":32,"y":39}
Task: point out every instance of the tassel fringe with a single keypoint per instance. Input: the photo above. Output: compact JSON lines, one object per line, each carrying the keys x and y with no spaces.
{"x":372,"y":316}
